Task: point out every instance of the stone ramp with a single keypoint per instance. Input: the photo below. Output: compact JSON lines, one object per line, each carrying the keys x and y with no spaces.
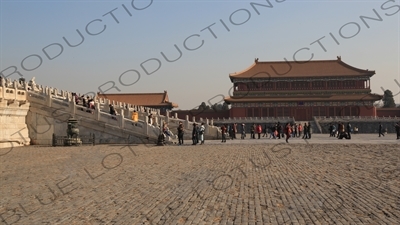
{"x":46,"y":119}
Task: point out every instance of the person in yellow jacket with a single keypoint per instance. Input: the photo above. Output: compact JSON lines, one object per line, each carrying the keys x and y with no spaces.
{"x":135,"y":116}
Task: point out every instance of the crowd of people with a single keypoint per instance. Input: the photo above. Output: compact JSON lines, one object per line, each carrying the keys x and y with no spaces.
{"x":87,"y":102}
{"x":198,"y":133}
{"x":341,"y":130}
{"x":271,"y":131}
{"x":275,"y":131}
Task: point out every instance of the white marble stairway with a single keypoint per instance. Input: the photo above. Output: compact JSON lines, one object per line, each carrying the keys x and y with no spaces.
{"x":47,"y":110}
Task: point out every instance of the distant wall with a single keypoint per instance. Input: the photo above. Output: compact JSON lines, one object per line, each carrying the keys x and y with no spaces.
{"x":386,"y":112}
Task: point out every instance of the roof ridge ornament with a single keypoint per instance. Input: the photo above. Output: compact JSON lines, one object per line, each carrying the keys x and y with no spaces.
{"x":339,"y":58}
{"x":256,"y":60}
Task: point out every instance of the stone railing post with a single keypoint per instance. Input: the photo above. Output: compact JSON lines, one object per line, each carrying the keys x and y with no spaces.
{"x":176,"y":115}
{"x":72,"y":105}
{"x":166,"y":116}
{"x":212,"y":122}
{"x":97,"y":111}
{"x":3,"y":87}
{"x":127,"y":114}
{"x":48,"y":99}
{"x":15,"y":90}
{"x":146,"y":128}
{"x":207,"y":126}
{"x":121,"y":119}
{"x":155,"y":120}
{"x":186,"y":123}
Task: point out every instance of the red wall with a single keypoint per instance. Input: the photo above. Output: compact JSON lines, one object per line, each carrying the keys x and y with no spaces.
{"x":386,"y":112}
{"x":368,"y":111}
{"x":237,"y":112}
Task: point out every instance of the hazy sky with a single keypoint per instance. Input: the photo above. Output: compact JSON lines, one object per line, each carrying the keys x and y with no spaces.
{"x":132,"y":43}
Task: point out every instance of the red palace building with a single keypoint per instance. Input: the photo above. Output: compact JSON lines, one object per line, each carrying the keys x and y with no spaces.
{"x":302,"y":89}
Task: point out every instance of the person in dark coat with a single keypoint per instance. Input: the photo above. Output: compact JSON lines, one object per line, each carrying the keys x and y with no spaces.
{"x":348,"y":129}
{"x":265,"y":130}
{"x":195,"y":134}
{"x":397,"y":127}
{"x":309,"y":130}
{"x":295,"y":130}
{"x":180,"y":133}
{"x":252,"y":131}
{"x":112,"y":112}
{"x":339,"y":129}
{"x":223,"y":133}
{"x":279,"y":129}
{"x":234,"y":130}
{"x":243,"y":131}
{"x":305,"y":128}
{"x":380,"y":130}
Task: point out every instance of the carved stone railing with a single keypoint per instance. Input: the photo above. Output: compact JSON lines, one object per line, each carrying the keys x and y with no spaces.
{"x":61,"y":100}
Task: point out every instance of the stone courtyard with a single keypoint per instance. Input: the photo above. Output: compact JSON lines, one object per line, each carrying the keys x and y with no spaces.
{"x":321,"y":181}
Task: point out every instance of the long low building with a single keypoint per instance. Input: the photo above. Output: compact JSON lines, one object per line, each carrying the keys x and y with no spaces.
{"x":302,"y":90}
{"x":151,"y":100}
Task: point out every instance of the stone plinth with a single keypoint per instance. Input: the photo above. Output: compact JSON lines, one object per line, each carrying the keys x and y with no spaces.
{"x":13,"y":129}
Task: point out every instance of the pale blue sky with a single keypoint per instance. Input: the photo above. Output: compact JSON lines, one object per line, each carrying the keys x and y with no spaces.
{"x":278,"y":32}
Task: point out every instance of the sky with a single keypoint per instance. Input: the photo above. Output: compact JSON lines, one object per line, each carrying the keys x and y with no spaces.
{"x":132,"y":46}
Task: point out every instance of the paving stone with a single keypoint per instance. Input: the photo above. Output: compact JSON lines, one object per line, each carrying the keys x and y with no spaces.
{"x":240,"y":182}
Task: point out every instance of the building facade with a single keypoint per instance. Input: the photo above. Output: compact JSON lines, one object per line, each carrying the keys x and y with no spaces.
{"x":302,"y":89}
{"x":152,"y":100}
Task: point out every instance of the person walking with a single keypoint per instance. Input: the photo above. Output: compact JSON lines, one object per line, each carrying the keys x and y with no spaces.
{"x":309,"y":130}
{"x":380,"y":130}
{"x":223,"y":131}
{"x":135,"y":116}
{"x":330,"y":129}
{"x":279,"y":129}
{"x":288,"y":131}
{"x":259,"y":130}
{"x":231,"y":131}
{"x":194,"y":134}
{"x":333,"y":134}
{"x":271,"y":130}
{"x":305,"y":128}
{"x":150,"y":118}
{"x":243,"y":131}
{"x":234,"y":130}
{"x":300,"y":130}
{"x":348,"y":129}
{"x":397,"y":127}
{"x":340,"y":128}
{"x":265,"y":131}
{"x":84,"y":103}
{"x":180,"y":133}
{"x":112,"y":112}
{"x":201,"y":133}
{"x":252,"y":131}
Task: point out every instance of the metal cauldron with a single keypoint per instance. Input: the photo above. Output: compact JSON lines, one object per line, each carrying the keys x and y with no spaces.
{"x":73,"y":130}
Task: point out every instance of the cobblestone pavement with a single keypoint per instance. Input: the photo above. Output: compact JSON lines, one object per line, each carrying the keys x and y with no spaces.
{"x":242,"y":182}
